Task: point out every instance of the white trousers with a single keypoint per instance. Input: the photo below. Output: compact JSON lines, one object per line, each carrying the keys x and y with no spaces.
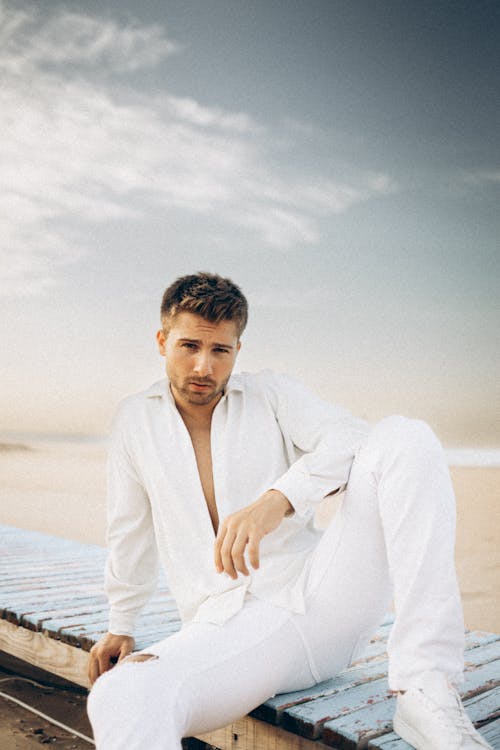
{"x":393,"y":537}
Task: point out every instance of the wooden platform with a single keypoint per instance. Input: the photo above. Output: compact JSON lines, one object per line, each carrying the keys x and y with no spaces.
{"x":52,"y":610}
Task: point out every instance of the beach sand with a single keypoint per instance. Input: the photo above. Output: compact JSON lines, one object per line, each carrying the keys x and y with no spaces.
{"x":57,"y":488}
{"x":60,"y":489}
{"x":478,"y":544}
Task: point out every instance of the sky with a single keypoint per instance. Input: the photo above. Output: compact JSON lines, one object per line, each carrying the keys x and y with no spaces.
{"x":339,"y":160}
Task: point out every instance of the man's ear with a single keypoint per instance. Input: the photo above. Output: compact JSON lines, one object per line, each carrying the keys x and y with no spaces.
{"x":161,"y":341}
{"x":238,"y":345}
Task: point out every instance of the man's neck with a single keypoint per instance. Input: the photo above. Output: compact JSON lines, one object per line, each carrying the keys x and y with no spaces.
{"x":198,"y":414}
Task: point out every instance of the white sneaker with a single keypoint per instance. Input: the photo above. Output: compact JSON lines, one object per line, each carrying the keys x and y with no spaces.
{"x":430,"y":716}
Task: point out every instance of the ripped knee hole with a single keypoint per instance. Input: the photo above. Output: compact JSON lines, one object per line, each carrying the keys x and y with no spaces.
{"x":138,"y":658}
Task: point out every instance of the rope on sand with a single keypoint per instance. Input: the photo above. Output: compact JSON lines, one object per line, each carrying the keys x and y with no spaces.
{"x":42,"y":715}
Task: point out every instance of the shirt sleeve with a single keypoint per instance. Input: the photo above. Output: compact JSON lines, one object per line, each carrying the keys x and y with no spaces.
{"x":321,"y":441}
{"x":132,"y":565}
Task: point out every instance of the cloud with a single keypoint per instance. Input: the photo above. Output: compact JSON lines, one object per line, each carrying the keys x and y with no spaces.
{"x":27,"y":41}
{"x":77,"y":149}
{"x":191,"y":111}
{"x":483,"y":177}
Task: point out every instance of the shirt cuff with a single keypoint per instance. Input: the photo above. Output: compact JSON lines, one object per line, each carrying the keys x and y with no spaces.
{"x":121,"y":624}
{"x":297,"y":488}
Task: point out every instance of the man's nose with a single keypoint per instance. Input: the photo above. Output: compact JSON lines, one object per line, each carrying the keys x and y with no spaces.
{"x":203,"y":364}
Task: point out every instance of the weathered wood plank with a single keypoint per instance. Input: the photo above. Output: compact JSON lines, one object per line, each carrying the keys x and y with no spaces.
{"x":46,"y":571}
{"x":484,"y":707}
{"x":481,"y":655}
{"x":347,"y":731}
{"x":377,"y":646}
{"x":37,"y":607}
{"x":46,"y":653}
{"x":309,"y":719}
{"x":53,"y":587}
{"x":272,"y":710}
{"x":252,"y":734}
{"x":94,"y":620}
{"x":491,"y":733}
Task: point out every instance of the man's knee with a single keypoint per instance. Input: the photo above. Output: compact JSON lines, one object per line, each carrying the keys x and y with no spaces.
{"x":399,"y":439}
{"x":405,"y":434}
{"x":125,"y":684}
{"x":102,"y":699}
{"x":128,"y":697}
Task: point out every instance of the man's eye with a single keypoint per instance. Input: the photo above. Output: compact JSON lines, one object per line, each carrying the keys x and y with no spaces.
{"x":188,"y":345}
{"x":220,"y":349}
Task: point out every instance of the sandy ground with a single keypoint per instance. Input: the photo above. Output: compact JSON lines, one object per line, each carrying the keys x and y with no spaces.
{"x":60,"y":488}
{"x":57,"y":488}
{"x":478,"y":544}
{"x":22,"y":730}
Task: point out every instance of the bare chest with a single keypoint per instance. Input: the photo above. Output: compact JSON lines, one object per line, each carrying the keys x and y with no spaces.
{"x":200,"y":438}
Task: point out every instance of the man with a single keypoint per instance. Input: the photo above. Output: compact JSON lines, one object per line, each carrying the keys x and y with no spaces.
{"x":217,"y":476}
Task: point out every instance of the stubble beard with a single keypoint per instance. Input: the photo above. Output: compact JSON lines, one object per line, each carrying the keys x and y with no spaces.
{"x":201,"y":399}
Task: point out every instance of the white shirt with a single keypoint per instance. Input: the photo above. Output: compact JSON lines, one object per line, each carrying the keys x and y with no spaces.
{"x":268,"y":431}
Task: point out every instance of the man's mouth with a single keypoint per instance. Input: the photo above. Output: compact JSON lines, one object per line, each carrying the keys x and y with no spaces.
{"x":200,"y":385}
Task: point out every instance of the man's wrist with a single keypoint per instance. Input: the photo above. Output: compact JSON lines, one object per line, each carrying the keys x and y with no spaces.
{"x":282,"y":499}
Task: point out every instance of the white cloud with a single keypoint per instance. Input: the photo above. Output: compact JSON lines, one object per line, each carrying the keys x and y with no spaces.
{"x":75,"y":151}
{"x":28,"y":41}
{"x":190,"y":110}
{"x":483,"y":176}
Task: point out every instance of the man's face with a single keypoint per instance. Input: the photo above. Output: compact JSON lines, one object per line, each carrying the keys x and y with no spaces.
{"x":200,"y":356}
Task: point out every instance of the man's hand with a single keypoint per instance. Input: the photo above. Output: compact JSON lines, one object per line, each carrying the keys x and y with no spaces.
{"x":244,"y":529}
{"x":105,"y":653}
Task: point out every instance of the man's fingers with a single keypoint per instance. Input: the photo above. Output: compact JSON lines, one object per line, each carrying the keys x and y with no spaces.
{"x":124,"y":651}
{"x":253,"y":552}
{"x":229,"y":551}
{"x":238,"y":552}
{"x":238,"y":534}
{"x":93,"y":670}
{"x":242,"y":532}
{"x":219,"y":566}
{"x":226,"y":555}
{"x":104,"y":662}
{"x":99,"y":662}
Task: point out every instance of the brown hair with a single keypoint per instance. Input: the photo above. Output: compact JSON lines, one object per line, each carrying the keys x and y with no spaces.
{"x":207,"y":295}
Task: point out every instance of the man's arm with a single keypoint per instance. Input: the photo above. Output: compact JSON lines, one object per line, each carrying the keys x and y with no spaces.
{"x":325,"y":437}
{"x":132,"y":564}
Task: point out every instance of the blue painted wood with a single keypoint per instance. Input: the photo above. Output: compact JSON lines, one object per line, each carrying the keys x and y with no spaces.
{"x":308,"y":718}
{"x":349,"y":730}
{"x":488,"y":652}
{"x":480,"y":708}
{"x":491,"y":733}
{"x":474,"y":638}
{"x":272,"y":710}
{"x":365,"y":670}
{"x":58,"y":620}
{"x":55,"y":586}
